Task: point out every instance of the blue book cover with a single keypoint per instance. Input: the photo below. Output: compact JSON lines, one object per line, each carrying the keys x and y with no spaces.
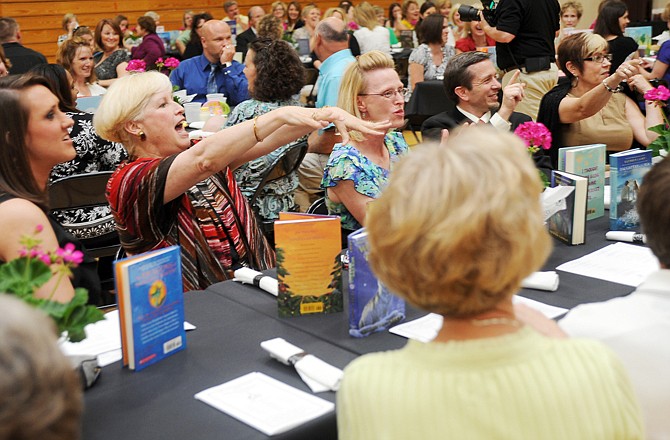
{"x":372,"y":308}
{"x":151,"y":306}
{"x":587,"y":161}
{"x":627,"y":169}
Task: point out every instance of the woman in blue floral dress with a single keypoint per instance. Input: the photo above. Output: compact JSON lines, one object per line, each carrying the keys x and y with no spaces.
{"x":357,"y":171}
{"x":275,"y":75}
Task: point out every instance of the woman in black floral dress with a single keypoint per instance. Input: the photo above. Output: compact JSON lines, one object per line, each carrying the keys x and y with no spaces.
{"x":94,"y":225}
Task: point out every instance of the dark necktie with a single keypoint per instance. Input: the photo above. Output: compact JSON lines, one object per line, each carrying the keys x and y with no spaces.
{"x":211,"y":81}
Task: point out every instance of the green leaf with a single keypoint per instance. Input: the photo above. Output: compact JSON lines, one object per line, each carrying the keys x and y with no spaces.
{"x":660,"y":129}
{"x":22,"y":276}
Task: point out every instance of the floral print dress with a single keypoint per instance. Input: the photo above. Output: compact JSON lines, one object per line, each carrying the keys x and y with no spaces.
{"x":346,"y":162}
{"x":93,"y":154}
{"x":276,"y":196}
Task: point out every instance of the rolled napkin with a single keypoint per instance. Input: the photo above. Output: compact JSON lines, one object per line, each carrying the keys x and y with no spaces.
{"x":627,"y":236}
{"x":317,"y":374}
{"x":250,"y":276}
{"x":541,"y":281}
{"x":322,"y":373}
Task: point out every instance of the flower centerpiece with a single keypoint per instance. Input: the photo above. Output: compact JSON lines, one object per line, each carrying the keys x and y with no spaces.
{"x":135,"y":66}
{"x":536,"y":136}
{"x":24,"y":275}
{"x":168,"y":64}
{"x":659,"y":96}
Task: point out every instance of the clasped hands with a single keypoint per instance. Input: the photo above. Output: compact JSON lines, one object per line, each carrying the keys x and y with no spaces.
{"x":629,"y":71}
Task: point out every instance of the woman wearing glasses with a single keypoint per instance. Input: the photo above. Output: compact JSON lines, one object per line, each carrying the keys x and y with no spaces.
{"x":588,"y":108}
{"x":358,"y":170}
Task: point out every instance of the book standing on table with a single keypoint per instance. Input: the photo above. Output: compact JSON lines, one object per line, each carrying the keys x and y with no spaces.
{"x":151,"y":306}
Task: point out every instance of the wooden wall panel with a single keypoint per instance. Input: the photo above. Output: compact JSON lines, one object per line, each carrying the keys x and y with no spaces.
{"x":40,"y":20}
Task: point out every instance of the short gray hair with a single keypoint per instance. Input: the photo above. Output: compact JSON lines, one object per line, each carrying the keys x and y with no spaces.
{"x":329,"y":34}
{"x":8,"y":29}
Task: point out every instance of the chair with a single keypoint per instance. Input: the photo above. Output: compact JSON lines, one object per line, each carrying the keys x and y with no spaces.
{"x":287,"y":163}
{"x":428,"y":99}
{"x":88,"y":191}
{"x":318,"y":207}
{"x":311,"y":75}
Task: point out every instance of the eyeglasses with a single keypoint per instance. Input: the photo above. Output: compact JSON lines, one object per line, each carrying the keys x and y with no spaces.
{"x":389,"y":94}
{"x":599,"y":58}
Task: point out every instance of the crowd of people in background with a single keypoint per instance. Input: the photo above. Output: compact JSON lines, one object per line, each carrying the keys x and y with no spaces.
{"x":166,"y":190}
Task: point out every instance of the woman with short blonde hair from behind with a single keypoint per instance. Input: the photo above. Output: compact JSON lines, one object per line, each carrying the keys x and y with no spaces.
{"x":454,"y":232}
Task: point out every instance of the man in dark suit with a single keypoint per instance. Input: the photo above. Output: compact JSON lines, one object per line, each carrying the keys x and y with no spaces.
{"x":242,"y":41}
{"x":470,"y":82}
{"x":21,"y":57}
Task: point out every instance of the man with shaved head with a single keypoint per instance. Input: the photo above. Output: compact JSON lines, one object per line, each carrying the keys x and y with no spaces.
{"x":214,"y":71}
{"x":331,"y":45}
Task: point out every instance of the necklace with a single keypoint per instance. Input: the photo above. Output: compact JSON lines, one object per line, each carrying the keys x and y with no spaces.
{"x":495,"y":321}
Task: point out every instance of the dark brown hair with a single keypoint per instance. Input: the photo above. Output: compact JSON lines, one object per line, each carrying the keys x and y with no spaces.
{"x":147,"y":23}
{"x":276,"y":59}
{"x":607,"y":22}
{"x":16,"y":176}
{"x":98,"y":32}
{"x":56,"y":77}
{"x":430,"y":29}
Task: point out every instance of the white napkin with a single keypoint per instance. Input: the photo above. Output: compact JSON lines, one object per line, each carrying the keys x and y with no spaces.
{"x":317,"y":374}
{"x":250,"y":276}
{"x":541,"y":281}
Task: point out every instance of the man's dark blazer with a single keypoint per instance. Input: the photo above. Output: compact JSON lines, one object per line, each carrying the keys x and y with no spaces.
{"x":431,"y":130}
{"x":22,"y":58}
{"x":243,"y":40}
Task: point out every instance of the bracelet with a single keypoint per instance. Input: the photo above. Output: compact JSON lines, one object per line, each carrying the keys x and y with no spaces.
{"x":258,"y":138}
{"x":611,"y":90}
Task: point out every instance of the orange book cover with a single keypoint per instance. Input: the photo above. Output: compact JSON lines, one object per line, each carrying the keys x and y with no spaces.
{"x":309,"y":269}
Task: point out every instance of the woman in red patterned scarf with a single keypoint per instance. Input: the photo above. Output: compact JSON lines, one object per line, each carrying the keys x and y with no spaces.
{"x":170,"y":194}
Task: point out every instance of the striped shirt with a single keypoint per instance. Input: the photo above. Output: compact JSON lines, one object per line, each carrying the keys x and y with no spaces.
{"x":212,"y":221}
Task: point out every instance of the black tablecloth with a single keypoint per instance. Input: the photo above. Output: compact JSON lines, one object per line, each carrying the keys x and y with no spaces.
{"x":158,"y":402}
{"x":232,"y":320}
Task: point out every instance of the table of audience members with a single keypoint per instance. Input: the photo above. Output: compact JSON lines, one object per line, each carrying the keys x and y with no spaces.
{"x":232,"y":320}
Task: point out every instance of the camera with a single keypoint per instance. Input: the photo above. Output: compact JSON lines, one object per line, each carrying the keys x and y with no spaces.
{"x":470,"y":13}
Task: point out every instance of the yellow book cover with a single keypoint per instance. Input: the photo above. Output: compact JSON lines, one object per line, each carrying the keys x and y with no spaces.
{"x":309,"y":269}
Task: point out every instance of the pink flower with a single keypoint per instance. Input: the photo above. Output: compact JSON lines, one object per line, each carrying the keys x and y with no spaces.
{"x":534,"y":135}
{"x":136,"y":66}
{"x":38,"y":229}
{"x":46,"y":258}
{"x":660,"y":93}
{"x":172,"y":63}
{"x":70,"y":255}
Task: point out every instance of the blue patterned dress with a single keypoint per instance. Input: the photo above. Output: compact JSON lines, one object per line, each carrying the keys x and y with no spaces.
{"x":347,"y":163}
{"x":276,"y":196}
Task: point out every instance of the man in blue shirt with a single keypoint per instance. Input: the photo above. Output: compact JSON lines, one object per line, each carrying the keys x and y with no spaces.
{"x":331,"y":45}
{"x":214,"y":71}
